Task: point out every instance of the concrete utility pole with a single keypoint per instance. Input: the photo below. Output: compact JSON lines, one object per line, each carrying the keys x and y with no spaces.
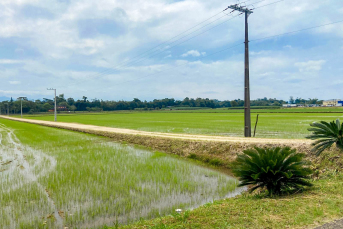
{"x":55,"y":103}
{"x":21,"y":106}
{"x":247,"y":116}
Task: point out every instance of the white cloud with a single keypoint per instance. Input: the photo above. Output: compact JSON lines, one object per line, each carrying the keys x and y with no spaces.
{"x":310,"y":66}
{"x":194,"y":53}
{"x":15,"y":93}
{"x":9,"y":61}
{"x":263,"y":52}
{"x":57,"y":54}
{"x":18,"y":2}
{"x":269,"y":63}
{"x":14,"y":82}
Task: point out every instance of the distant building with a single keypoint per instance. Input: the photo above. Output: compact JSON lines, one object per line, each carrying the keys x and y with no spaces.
{"x":61,"y":108}
{"x":289,"y":105}
{"x":332,"y":103}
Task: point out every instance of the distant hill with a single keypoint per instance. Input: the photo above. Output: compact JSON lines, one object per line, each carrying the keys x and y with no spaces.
{"x":4,"y":98}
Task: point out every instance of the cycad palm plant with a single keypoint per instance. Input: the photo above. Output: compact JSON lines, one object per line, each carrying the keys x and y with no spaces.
{"x":276,"y":169}
{"x":326,"y":134}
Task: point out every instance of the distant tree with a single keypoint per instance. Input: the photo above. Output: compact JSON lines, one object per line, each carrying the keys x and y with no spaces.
{"x":47,"y":107}
{"x":234,"y":103}
{"x":70,"y":101}
{"x":291,"y":100}
{"x":73,"y":108}
{"x":63,"y":104}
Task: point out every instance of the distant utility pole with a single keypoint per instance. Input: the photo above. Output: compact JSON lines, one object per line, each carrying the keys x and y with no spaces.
{"x":55,"y":103}
{"x":21,"y":106}
{"x":247,"y":117}
{"x":8,"y":109}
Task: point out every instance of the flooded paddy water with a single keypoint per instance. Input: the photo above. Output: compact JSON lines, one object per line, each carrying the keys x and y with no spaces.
{"x":60,"y":179}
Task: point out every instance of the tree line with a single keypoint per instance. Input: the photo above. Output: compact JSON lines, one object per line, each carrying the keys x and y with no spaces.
{"x":84,"y":104}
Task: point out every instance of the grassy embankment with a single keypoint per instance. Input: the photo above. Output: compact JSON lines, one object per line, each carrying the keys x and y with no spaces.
{"x":270,"y":125}
{"x":91,"y":181}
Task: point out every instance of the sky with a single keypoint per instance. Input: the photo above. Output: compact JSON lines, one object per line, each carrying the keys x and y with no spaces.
{"x":153,"y":49}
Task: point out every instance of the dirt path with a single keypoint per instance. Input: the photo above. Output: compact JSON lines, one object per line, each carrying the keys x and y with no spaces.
{"x":333,"y":225}
{"x":82,"y":127}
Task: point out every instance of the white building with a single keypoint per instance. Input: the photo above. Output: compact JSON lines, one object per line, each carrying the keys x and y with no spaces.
{"x":289,"y":105}
{"x":332,"y":103}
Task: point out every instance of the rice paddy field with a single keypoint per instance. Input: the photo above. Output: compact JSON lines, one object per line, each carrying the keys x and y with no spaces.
{"x":277,"y":123}
{"x":53,"y":178}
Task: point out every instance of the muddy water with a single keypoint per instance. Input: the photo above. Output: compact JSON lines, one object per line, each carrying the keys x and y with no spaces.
{"x":26,"y":202}
{"x":16,"y":171}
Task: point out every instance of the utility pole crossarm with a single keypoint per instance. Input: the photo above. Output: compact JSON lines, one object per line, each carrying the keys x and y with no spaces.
{"x":240,"y":9}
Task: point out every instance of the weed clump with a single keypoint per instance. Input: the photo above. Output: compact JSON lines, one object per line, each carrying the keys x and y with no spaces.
{"x":276,"y":169}
{"x":192,"y":156}
{"x":215,"y":162}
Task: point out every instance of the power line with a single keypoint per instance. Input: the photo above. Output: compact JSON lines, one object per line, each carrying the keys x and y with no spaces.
{"x":255,"y":3}
{"x":268,"y":4}
{"x":154,"y":53}
{"x":231,"y":47}
{"x":141,"y":59}
{"x":114,"y":67}
{"x":296,"y":31}
{"x":145,"y":55}
{"x":282,"y":34}
{"x":158,"y":51}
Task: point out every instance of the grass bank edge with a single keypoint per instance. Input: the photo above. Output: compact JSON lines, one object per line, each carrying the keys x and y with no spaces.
{"x":314,"y":207}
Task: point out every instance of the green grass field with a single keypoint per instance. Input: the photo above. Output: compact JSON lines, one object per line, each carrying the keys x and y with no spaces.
{"x":226,"y":123}
{"x":259,"y":110}
{"x":51,"y":178}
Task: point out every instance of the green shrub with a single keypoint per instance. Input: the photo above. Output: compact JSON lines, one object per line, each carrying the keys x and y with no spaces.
{"x":276,"y":169}
{"x":192,"y":156}
{"x":326,"y":134}
{"x":215,"y":162}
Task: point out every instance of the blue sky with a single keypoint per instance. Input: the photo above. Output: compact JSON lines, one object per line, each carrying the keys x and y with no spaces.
{"x":90,"y":48}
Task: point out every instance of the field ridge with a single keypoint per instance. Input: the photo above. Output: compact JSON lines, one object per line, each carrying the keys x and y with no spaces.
{"x":86,"y":128}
